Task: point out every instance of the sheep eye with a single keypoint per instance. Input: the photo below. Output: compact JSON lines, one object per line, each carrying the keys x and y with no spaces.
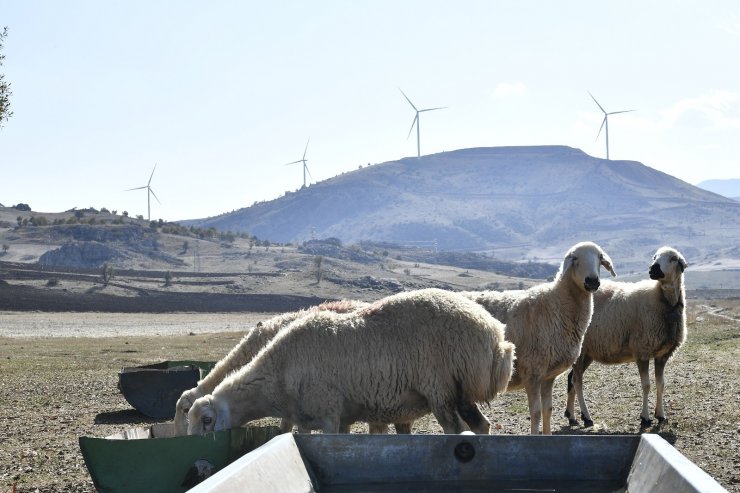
{"x":674,"y":259}
{"x":185,"y":410}
{"x":207,"y":420}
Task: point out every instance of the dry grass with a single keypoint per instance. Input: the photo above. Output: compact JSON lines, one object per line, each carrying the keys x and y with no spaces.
{"x":54,"y":390}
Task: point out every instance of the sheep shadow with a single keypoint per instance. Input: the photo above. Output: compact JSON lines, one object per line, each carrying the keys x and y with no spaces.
{"x":657,"y":429}
{"x":124,"y":417}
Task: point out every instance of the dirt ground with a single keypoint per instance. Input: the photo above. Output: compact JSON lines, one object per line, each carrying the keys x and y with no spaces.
{"x":55,"y":388}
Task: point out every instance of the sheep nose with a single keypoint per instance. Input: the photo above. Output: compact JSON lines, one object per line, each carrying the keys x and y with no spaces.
{"x":591,"y":283}
{"x":656,"y":272}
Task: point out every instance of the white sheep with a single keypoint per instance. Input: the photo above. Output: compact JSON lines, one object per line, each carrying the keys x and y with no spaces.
{"x":244,"y":351}
{"x":546,"y":323}
{"x":635,"y":322}
{"x":402,"y":357}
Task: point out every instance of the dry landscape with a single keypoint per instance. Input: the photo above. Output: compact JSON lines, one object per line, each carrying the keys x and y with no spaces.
{"x":56,"y":388}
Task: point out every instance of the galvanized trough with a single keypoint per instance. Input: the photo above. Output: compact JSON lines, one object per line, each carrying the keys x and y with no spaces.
{"x":153,"y":389}
{"x":462,"y":463}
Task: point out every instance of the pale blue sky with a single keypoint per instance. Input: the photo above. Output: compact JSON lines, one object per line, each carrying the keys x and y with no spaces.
{"x":220,"y":95}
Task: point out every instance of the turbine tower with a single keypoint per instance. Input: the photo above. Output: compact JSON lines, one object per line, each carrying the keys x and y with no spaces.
{"x":149,"y":193}
{"x":605,"y":122}
{"x":416,"y":122}
{"x":305,"y":167}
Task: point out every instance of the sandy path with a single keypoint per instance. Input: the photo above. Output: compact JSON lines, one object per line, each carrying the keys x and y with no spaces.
{"x":44,"y":324}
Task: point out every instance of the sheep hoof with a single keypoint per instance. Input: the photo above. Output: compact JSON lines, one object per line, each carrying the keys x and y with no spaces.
{"x":644,"y":423}
{"x":587,"y":423}
{"x":662,"y":419}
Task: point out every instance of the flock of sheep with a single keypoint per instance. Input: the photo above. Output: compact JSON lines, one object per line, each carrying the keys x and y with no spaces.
{"x":431,"y":350}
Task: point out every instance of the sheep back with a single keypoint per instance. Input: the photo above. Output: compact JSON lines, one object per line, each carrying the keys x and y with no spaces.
{"x":633,"y":321}
{"x":385,"y":363}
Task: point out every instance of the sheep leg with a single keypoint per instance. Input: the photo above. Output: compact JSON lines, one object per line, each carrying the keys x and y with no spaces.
{"x":403,"y":428}
{"x":570,"y":403}
{"x":659,"y":386}
{"x":578,"y":384}
{"x":534,"y":400}
{"x":643,"y":366}
{"x":546,"y":399}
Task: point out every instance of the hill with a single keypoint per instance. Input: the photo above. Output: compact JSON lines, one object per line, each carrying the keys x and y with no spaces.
{"x":516,"y":202}
{"x":729,"y":188}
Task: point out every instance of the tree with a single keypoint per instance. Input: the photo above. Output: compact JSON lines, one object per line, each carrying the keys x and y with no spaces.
{"x":5,"y":92}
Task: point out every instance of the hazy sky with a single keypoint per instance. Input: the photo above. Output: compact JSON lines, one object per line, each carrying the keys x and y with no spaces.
{"x":220,"y":95}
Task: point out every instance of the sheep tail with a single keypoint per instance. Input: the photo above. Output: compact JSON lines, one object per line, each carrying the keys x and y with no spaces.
{"x":503,"y":367}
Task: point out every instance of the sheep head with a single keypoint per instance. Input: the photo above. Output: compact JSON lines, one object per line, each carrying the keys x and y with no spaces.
{"x":184,"y":403}
{"x":207,"y":415}
{"x":668,"y":264}
{"x":583,"y":262}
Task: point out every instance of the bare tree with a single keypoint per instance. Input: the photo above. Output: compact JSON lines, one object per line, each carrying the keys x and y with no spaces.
{"x":5,"y":92}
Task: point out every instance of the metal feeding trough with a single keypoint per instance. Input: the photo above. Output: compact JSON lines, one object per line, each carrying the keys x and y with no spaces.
{"x":153,"y":389}
{"x":153,"y":459}
{"x":462,"y":463}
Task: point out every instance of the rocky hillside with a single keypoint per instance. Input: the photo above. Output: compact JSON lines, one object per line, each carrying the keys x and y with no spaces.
{"x":516,"y":202}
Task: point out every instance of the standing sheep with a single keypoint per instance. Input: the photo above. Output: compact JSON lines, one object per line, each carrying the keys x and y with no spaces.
{"x":405,"y":355}
{"x":546,"y":323}
{"x":244,"y":351}
{"x":635,"y":322}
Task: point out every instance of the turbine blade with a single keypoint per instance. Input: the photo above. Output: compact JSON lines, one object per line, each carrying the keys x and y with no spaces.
{"x":603,"y":122}
{"x":150,"y":176}
{"x":306,"y":149}
{"x":308,"y":171}
{"x":416,"y":118}
{"x":597,"y":103}
{"x":407,"y":99}
{"x":137,"y":188}
{"x":618,"y":112}
{"x":294,"y":162}
{"x":432,"y":109}
{"x":155,"y":195}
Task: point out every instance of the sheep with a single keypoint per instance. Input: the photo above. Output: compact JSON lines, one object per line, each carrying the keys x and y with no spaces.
{"x":635,"y":322}
{"x":394,"y":361}
{"x":243,"y":353}
{"x":546,"y":323}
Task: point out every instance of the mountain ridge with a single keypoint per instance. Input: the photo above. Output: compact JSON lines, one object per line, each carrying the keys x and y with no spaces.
{"x":519,"y":202}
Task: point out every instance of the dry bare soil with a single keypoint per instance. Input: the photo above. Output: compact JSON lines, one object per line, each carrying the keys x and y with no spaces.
{"x":55,"y":389}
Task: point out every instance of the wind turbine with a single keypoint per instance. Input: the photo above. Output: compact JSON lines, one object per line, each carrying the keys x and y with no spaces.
{"x":416,"y":122}
{"x":605,"y":122}
{"x":305,"y":167}
{"x":149,"y":193}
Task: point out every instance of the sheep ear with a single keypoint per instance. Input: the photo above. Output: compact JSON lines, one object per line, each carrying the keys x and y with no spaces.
{"x":607,"y":263}
{"x":567,"y":263}
{"x":682,"y":264}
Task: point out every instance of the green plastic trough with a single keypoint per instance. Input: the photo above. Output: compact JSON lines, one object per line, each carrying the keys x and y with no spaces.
{"x":153,"y":389}
{"x":153,"y":459}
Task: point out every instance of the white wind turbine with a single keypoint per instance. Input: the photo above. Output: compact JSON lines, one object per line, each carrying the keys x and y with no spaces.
{"x":416,"y":122}
{"x":605,"y":122}
{"x":305,"y":166}
{"x":149,"y":193}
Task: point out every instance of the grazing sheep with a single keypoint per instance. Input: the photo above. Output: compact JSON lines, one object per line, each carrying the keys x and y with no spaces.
{"x":405,"y":355}
{"x":635,"y":322}
{"x":244,"y":351}
{"x":546,"y":323}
